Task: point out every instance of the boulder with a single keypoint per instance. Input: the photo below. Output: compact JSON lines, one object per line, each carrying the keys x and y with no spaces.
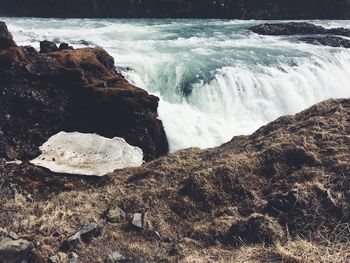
{"x":296,"y":28}
{"x":115,"y":215}
{"x":331,"y":41}
{"x":85,"y":234}
{"x":138,"y":220}
{"x":87,"y":154}
{"x":6,"y":39}
{"x":48,"y":46}
{"x":14,"y":249}
{"x":64,"y":46}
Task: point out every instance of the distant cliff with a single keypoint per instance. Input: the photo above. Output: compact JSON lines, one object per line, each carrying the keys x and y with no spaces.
{"x":227,"y":9}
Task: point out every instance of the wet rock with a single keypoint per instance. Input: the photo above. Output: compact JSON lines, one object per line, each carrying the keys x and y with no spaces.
{"x":14,"y":249}
{"x":291,"y":28}
{"x":331,"y":41}
{"x":256,"y":229}
{"x":115,"y":215}
{"x":85,"y":234}
{"x":85,"y":43}
{"x":65,"y":46}
{"x":48,"y":46}
{"x":6,"y":39}
{"x":296,"y":28}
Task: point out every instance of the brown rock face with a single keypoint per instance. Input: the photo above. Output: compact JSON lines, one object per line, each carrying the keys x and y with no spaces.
{"x":6,"y":40}
{"x":72,"y":90}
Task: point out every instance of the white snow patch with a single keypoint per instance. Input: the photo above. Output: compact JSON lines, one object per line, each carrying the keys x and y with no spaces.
{"x":87,"y":154}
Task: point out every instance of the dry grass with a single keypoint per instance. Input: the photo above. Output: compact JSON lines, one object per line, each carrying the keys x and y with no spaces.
{"x":194,"y":197}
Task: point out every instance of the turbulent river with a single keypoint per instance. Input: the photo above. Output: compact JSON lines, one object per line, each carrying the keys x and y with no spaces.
{"x":215,"y":78}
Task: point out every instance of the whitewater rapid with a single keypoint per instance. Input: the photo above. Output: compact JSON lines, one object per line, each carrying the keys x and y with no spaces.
{"x":215,"y":78}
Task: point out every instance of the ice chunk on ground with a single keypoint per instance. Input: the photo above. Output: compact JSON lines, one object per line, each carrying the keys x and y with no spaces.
{"x":87,"y":154}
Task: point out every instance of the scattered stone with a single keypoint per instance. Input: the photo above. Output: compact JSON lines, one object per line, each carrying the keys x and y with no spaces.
{"x":115,"y":257}
{"x":12,"y":248}
{"x":54,"y":259}
{"x":59,"y":258}
{"x":85,"y":234}
{"x":16,"y":162}
{"x":115,"y":215}
{"x":48,"y":46}
{"x":138,"y":220}
{"x":5,"y":233}
{"x":6,"y":39}
{"x":73,"y":258}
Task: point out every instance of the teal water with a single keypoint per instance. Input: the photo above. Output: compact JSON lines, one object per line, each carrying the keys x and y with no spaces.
{"x":215,"y":78}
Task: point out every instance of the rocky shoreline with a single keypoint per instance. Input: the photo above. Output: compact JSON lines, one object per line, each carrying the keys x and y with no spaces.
{"x":278,"y":195}
{"x":223,"y":9}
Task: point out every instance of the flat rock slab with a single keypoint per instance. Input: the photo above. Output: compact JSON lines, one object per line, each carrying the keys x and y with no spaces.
{"x":87,"y":154}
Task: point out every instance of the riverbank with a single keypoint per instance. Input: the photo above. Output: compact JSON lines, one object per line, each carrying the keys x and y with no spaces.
{"x":279,"y":194}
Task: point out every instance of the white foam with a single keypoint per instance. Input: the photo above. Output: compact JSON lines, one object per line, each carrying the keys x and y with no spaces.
{"x":239,"y":80}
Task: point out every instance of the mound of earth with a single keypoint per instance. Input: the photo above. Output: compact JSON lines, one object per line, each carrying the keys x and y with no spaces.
{"x":280,"y":194}
{"x":62,"y":89}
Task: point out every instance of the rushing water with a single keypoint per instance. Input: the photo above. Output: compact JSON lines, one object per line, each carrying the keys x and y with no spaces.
{"x":215,"y":78}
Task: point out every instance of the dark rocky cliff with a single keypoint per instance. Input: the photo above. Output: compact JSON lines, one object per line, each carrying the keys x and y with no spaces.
{"x":71,"y":90}
{"x":234,"y":9}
